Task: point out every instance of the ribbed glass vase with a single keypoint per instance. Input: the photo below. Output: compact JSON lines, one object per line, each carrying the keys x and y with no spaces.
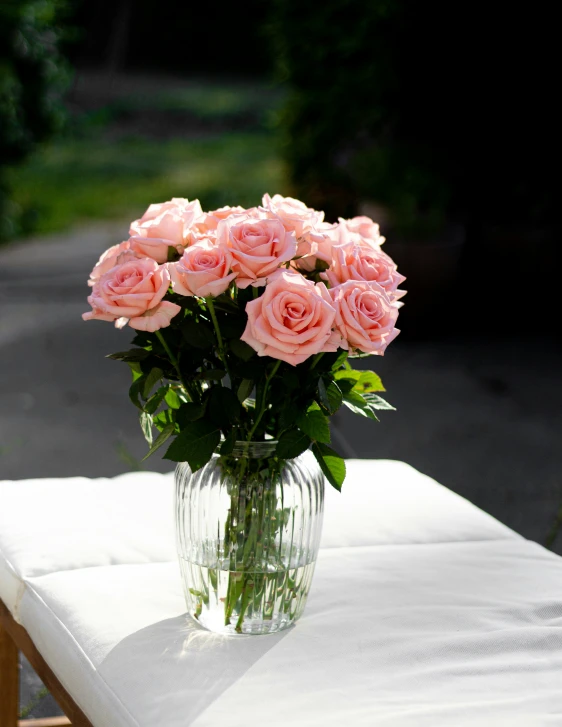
{"x":248,"y":529}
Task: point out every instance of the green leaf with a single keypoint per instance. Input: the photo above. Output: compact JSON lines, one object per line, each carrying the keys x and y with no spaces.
{"x":357,"y":404}
{"x":286,"y":417}
{"x":172,"y":398}
{"x":340,"y":361}
{"x":156,"y":399}
{"x":291,"y":380}
{"x":367,"y":382}
{"x":135,"y":390}
{"x":314,"y":423}
{"x":331,"y":397}
{"x":292,"y":443}
{"x":163,"y":418}
{"x":164,"y":435}
{"x":195,"y":444}
{"x":143,"y":339}
{"x":198,"y":334}
{"x":346,"y":385}
{"x":211,"y":375}
{"x":241,"y":349}
{"x":189,"y":412}
{"x":182,"y":396}
{"x":146,"y":426}
{"x":377,"y":402}
{"x":224,"y":408}
{"x":245,"y":389}
{"x":152,"y":378}
{"x":133,"y":354}
{"x":350,"y":374}
{"x":347,"y":378}
{"x":231,"y":326}
{"x":252,"y":369}
{"x":136,"y":369}
{"x":230,"y":440}
{"x":149,"y":363}
{"x":331,"y":464}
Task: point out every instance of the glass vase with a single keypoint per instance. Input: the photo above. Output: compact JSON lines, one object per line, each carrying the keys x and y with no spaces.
{"x":248,"y":528}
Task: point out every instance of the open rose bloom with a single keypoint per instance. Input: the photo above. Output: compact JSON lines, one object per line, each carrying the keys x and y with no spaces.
{"x":272,"y":300}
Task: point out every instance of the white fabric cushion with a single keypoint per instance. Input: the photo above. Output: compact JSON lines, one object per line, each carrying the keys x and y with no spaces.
{"x":385,"y":501}
{"x":394,"y":635}
{"x":52,"y":525}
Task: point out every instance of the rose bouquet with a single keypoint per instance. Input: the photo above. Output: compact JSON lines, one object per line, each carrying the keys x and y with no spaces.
{"x":247,"y":321}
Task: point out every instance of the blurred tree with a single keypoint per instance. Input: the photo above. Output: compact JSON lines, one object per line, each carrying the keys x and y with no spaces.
{"x":222,"y":37}
{"x":32,"y":78}
{"x":438,"y":110}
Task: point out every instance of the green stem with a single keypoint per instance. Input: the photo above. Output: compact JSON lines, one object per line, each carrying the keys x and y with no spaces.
{"x":261,"y":411}
{"x":315,"y":360}
{"x":222,"y":352}
{"x":171,"y":356}
{"x":175,"y":364}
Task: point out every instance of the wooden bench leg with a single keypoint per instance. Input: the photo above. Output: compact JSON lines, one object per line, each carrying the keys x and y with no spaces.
{"x":9,"y":680}
{"x":14,"y":637}
{"x":46,"y":722}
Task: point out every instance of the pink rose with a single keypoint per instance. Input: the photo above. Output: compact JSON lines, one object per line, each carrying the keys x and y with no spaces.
{"x":318,"y":244}
{"x":154,"y":318}
{"x":210,"y":220}
{"x":162,"y":226}
{"x":306,"y":224}
{"x":292,"y":320}
{"x":204,"y":270}
{"x":194,"y":235}
{"x":134,"y":291}
{"x":315,"y":246}
{"x":365,"y":227}
{"x":294,"y":214}
{"x":110,"y":258}
{"x":365,"y":316}
{"x":190,"y":212}
{"x":361,"y":261}
{"x":258,"y":246}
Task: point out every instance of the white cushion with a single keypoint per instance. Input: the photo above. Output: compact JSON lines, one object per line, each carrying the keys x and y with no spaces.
{"x":426,"y":635}
{"x":52,"y":525}
{"x":423,"y":611}
{"x":385,"y":501}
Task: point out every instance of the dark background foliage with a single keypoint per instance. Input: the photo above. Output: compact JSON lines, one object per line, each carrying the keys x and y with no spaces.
{"x":219,"y":37}
{"x":443,"y":116}
{"x":449,"y":104}
{"x":33,"y":75}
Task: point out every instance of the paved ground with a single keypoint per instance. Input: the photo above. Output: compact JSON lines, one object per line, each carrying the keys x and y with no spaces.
{"x":482,"y":415}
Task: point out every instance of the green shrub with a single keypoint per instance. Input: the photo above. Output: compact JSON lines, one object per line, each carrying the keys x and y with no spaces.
{"x":32,"y":78}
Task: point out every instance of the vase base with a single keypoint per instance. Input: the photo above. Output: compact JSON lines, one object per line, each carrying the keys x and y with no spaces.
{"x":215,"y":623}
{"x":248,"y":603}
